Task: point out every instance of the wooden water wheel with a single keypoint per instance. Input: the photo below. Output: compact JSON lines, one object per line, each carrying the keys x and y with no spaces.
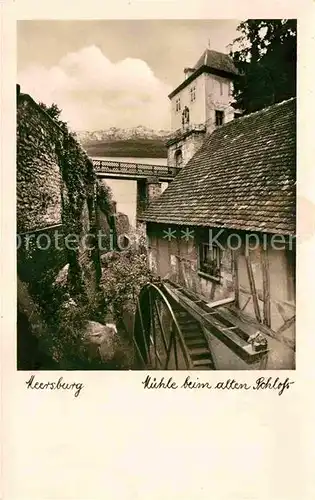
{"x":166,"y":337}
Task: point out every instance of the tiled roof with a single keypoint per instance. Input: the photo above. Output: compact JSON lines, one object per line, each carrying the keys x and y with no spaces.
{"x":243,"y":177}
{"x":216,"y":60}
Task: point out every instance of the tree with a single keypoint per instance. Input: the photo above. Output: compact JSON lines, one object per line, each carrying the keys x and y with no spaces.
{"x":54,"y":112}
{"x":265,"y":56}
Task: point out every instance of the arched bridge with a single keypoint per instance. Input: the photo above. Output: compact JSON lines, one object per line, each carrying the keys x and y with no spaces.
{"x":108,"y":169}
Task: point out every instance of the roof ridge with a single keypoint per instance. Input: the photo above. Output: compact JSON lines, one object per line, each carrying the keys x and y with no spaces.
{"x":259,"y":111}
{"x":218,"y":52}
{"x":206,"y":52}
{"x":267,"y":108}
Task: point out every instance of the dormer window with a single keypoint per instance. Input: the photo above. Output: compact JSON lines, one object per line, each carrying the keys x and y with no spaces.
{"x":177,"y":105}
{"x":219,"y":118}
{"x":192,"y":94}
{"x":178,"y":158}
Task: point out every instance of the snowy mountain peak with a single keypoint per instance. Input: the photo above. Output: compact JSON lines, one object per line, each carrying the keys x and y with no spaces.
{"x":114,"y":133}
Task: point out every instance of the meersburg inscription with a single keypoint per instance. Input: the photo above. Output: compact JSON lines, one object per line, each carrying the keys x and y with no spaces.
{"x":260,"y":384}
{"x":59,"y":385}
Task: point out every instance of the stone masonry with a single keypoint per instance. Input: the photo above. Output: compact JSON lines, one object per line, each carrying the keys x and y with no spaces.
{"x":187,"y":143}
{"x":56,"y":192}
{"x":38,"y":172}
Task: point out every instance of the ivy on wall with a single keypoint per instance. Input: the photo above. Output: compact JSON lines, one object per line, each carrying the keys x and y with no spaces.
{"x":79,"y":193}
{"x":50,"y":160}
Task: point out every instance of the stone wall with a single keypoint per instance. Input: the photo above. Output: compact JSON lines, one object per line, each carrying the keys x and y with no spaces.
{"x":188,"y":143}
{"x":154,"y":189}
{"x":39,"y":177}
{"x":56,"y":193}
{"x":147,"y":190}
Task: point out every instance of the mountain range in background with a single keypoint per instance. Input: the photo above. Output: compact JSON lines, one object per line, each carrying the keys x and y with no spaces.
{"x":134,"y":142}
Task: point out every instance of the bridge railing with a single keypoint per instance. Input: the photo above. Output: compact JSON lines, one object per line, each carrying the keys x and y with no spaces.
{"x":141,"y":169}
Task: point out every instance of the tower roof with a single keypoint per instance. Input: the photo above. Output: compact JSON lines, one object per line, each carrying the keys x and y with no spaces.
{"x":210,"y":61}
{"x":216,"y":60}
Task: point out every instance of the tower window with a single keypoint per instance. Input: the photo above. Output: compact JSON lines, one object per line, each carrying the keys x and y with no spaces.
{"x":219,"y":118}
{"x":177,"y":105}
{"x":178,"y":158}
{"x":193,"y":94}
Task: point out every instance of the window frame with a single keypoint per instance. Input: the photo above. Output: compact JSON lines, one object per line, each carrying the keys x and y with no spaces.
{"x":192,"y":94}
{"x":216,"y":113}
{"x":177,"y":105}
{"x":202,"y":270}
{"x":178,"y":154}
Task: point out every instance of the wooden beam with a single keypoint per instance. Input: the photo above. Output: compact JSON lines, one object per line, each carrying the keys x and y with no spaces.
{"x":158,"y":264}
{"x":236,"y":279}
{"x":161,"y":325}
{"x":246,"y":303}
{"x":235,"y":341}
{"x":268,"y":331}
{"x":266,"y":286}
{"x":221,"y":302}
{"x":253,"y":288}
{"x":153,"y":327}
{"x":212,"y":292}
{"x":286,"y":325}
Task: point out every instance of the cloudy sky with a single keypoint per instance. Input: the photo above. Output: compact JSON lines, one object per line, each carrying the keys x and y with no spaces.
{"x":113,"y":73}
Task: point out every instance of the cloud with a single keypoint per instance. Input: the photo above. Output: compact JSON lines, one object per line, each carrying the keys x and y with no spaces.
{"x":95,"y":93}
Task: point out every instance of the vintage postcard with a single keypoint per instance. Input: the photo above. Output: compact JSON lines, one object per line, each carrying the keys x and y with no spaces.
{"x":160,"y":187}
{"x":156,"y":197}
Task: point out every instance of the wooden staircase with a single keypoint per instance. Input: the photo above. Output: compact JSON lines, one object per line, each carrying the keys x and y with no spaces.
{"x":195,"y":340}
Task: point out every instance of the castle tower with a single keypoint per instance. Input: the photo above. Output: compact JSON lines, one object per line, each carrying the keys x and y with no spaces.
{"x":202,"y":102}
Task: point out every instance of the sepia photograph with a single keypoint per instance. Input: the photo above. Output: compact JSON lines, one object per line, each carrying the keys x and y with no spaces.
{"x":156,"y":194}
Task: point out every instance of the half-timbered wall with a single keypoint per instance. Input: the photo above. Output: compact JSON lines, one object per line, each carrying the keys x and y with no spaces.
{"x":177,"y":258}
{"x":261,"y":281}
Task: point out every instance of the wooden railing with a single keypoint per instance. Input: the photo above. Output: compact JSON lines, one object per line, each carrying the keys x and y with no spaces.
{"x":134,"y":169}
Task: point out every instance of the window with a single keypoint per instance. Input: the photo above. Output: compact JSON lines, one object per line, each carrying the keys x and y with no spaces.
{"x":193,"y":94}
{"x":185,"y":116}
{"x":221,"y":87}
{"x":177,"y":105}
{"x":210,"y":260}
{"x":219,"y":118}
{"x":178,"y":158}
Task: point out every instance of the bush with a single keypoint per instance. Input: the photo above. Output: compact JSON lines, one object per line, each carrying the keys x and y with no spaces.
{"x":122,"y":279}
